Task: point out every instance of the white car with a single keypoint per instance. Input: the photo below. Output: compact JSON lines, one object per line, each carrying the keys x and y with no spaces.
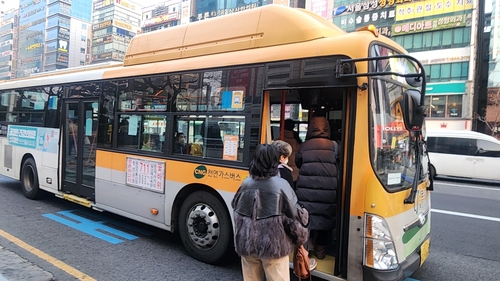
{"x":464,"y":154}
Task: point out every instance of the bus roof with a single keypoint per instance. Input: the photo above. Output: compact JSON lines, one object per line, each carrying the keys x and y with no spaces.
{"x":260,"y":35}
{"x":61,"y":76}
{"x":265,"y":26}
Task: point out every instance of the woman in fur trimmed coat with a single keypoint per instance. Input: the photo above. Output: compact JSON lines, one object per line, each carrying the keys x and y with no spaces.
{"x":268,"y":222}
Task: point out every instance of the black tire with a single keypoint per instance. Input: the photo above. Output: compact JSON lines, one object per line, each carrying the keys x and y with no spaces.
{"x":205,"y":228}
{"x":29,"y":179}
{"x":432,"y":171}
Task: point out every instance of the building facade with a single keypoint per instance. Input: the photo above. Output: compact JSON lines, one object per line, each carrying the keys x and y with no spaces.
{"x":441,"y":34}
{"x":165,"y":14}
{"x":45,"y":41}
{"x":114,"y":23}
{"x":8,"y":43}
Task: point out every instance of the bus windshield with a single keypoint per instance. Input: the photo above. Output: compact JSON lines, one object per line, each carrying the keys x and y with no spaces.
{"x":394,"y":147}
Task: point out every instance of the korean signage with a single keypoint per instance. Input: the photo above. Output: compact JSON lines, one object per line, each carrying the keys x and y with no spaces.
{"x":162,"y":19}
{"x":102,"y":56}
{"x":320,"y":7}
{"x":146,"y":174}
{"x":103,"y":40}
{"x":103,"y":24}
{"x":418,"y":9}
{"x":185,"y":12}
{"x":369,"y":5}
{"x":383,"y":19}
{"x":63,"y":58}
{"x":44,"y":139}
{"x":34,"y":46}
{"x":443,"y":56}
{"x":122,"y":25}
{"x":432,"y":25}
{"x":126,"y":4}
{"x":63,"y":33}
{"x":221,"y":12}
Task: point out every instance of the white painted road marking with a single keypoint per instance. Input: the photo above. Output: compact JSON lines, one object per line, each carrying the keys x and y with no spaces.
{"x":465,"y":215}
{"x":467,"y":186}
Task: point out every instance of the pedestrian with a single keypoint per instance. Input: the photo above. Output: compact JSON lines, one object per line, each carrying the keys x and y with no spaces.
{"x":317,"y":183}
{"x":292,"y":138}
{"x":268,"y":222}
{"x":285,"y":151}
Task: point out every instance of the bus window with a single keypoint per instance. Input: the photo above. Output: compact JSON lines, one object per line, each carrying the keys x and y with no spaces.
{"x":218,"y":137}
{"x":141,"y":132}
{"x":84,"y":90}
{"x":226,"y":90}
{"x":8,"y":106}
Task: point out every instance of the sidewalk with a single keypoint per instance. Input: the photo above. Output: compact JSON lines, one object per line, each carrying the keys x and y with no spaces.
{"x":15,"y":268}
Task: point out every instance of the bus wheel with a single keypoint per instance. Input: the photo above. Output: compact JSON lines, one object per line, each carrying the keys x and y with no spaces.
{"x":432,"y":171}
{"x":205,"y":228}
{"x":29,"y":179}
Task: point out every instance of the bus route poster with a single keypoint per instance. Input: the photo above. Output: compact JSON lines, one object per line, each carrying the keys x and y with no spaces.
{"x":146,"y":174}
{"x":230,"y":148}
{"x":44,"y":139}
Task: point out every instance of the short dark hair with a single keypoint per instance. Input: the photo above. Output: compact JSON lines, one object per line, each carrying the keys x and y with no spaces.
{"x":289,"y":125}
{"x":265,"y":162}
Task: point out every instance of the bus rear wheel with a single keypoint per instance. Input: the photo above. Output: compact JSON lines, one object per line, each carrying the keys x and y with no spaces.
{"x":29,"y":179}
{"x":205,"y":228}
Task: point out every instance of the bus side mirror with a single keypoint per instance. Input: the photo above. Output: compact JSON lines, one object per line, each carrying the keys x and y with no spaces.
{"x":413,"y":112}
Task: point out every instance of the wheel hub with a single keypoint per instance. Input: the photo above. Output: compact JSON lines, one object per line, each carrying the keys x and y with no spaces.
{"x":203,"y":226}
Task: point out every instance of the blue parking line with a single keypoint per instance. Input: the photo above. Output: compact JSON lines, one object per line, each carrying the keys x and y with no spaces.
{"x":411,"y":279}
{"x":90,"y":227}
{"x":3,"y":278}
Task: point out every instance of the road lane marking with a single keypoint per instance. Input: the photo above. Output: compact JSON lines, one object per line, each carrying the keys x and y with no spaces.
{"x":90,"y":227}
{"x":466,"y":215}
{"x":48,"y":258}
{"x":467,"y":186}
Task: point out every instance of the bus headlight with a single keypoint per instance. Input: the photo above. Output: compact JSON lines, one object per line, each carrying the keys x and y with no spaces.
{"x":379,"y":247}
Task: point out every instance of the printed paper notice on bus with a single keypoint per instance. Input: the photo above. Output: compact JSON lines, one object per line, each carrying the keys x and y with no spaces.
{"x":230,"y":148}
{"x":393,"y":178}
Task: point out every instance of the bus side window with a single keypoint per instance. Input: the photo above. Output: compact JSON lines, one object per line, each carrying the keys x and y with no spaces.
{"x":212,"y":141}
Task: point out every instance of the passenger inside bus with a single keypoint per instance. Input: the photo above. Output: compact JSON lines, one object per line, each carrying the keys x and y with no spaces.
{"x":151,"y":142}
{"x":292,"y":138}
{"x":317,"y":182}
{"x":212,"y":141}
{"x":180,"y":145}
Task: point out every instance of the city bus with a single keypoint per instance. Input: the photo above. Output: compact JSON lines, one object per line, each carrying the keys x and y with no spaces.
{"x":106,"y":136}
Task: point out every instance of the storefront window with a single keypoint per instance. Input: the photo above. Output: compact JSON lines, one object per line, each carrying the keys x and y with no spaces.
{"x":444,"y":106}
{"x":438,"y":104}
{"x":454,"y":106}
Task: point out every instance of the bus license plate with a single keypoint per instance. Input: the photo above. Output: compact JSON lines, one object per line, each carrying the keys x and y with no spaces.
{"x":424,"y":251}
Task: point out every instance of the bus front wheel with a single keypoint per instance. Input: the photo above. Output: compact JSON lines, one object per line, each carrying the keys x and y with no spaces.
{"x":205,"y":228}
{"x":29,"y":179}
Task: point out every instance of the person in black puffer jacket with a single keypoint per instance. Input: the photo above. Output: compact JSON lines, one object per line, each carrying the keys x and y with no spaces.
{"x":316,"y":186}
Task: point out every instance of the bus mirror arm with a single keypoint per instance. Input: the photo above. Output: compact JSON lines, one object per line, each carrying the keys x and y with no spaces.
{"x":411,"y":198}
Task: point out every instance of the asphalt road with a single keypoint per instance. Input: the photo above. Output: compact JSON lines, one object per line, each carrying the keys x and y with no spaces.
{"x":465,"y":226}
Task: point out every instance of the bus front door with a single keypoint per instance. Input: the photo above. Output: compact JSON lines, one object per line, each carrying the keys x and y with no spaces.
{"x":79,"y":143}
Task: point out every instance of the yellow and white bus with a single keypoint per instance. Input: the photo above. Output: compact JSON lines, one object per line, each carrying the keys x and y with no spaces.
{"x":104,"y":136}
